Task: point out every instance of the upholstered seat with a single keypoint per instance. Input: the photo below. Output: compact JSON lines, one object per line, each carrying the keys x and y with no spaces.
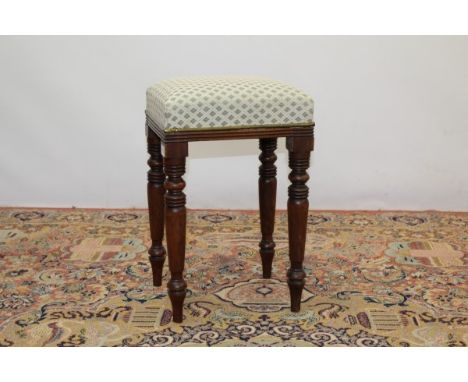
{"x":226,"y":102}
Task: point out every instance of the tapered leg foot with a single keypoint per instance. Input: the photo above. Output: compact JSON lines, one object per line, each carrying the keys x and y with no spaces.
{"x":177,"y":292}
{"x":156,"y":177}
{"x":298,"y":205}
{"x":157,"y":258}
{"x":267,"y":255}
{"x":267,"y":201}
{"x":296,"y":282}
{"x":174,"y":165}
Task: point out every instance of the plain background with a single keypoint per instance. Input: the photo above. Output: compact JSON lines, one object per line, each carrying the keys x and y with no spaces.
{"x":391,"y":115}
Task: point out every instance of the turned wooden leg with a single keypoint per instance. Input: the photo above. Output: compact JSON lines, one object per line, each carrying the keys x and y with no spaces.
{"x":298,"y":205}
{"x":174,"y":167}
{"x":267,"y":199}
{"x":157,"y":253}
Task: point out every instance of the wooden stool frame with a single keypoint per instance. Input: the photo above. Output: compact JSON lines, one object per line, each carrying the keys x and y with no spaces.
{"x":166,"y":200}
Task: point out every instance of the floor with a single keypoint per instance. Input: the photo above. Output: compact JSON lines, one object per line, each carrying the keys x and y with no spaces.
{"x":74,"y":277}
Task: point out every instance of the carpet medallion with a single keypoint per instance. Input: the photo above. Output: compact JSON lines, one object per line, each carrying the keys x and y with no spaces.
{"x":81,"y":278}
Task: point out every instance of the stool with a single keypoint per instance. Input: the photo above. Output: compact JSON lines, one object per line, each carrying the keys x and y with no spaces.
{"x":215,"y":108}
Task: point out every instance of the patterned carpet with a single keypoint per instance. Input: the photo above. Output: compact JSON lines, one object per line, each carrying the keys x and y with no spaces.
{"x":81,"y":278}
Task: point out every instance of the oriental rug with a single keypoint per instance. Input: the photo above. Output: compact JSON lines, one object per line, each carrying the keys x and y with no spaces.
{"x":77,"y":277}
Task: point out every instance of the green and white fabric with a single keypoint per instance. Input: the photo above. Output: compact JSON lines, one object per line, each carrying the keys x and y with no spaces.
{"x":226,"y":102}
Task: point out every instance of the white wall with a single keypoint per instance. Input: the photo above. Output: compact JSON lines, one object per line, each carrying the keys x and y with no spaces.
{"x":391,"y":115}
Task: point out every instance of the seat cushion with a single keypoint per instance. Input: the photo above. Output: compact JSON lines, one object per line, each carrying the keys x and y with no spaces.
{"x":226,"y":102}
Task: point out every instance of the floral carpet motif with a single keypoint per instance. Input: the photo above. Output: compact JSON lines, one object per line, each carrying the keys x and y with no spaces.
{"x":81,"y":278}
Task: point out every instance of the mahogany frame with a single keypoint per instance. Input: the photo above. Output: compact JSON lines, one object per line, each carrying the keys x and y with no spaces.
{"x":166,"y":200}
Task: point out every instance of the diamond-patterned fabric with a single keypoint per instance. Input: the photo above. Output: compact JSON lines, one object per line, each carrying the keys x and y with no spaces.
{"x":226,"y":102}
